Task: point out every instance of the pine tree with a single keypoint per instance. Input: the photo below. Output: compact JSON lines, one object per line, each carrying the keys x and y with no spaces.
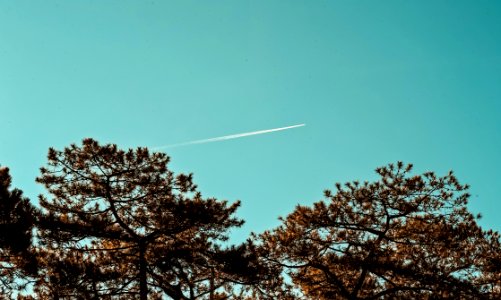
{"x":17,"y":262}
{"x":120,"y":225}
{"x":402,"y":237}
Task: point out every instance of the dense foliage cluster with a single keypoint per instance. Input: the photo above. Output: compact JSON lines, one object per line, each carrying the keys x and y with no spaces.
{"x":119,"y":224}
{"x":402,"y":237}
{"x":17,"y":261}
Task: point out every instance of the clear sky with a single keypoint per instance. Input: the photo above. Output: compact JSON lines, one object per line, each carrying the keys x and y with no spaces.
{"x":375,"y":82}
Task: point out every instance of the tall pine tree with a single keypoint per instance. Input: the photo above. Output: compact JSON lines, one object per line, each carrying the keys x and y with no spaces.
{"x":17,"y":262}
{"x":119,"y":224}
{"x":401,"y":237}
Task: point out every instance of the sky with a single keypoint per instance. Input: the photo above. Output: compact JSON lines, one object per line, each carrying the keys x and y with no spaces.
{"x":374,"y":81}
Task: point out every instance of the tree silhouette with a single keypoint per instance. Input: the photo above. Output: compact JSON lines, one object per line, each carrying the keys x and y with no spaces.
{"x":401,"y":237}
{"x":16,"y":223}
{"x":120,"y":225}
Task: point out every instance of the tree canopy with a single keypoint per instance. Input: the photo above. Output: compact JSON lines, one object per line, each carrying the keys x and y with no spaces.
{"x":129,"y":227}
{"x":118,"y":224}
{"x":402,"y":237}
{"x":16,"y":223}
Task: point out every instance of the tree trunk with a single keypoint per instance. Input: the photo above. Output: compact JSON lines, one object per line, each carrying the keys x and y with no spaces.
{"x":143,"y":285}
{"x":211,"y":294}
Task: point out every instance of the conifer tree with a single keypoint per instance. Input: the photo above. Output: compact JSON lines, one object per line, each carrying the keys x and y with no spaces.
{"x":402,"y":237}
{"x":16,"y":223}
{"x":120,"y":225}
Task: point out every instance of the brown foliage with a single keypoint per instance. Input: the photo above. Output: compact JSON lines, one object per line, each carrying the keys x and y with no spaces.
{"x":120,"y":225}
{"x":16,"y":223}
{"x":404,"y":236}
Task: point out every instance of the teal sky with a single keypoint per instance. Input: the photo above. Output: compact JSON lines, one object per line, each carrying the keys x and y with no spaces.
{"x":375,"y":82}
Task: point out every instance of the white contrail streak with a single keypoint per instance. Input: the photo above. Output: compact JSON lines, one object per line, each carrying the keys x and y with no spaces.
{"x":227,"y":137}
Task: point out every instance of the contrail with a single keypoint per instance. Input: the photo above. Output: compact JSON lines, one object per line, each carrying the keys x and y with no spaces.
{"x":227,"y":137}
